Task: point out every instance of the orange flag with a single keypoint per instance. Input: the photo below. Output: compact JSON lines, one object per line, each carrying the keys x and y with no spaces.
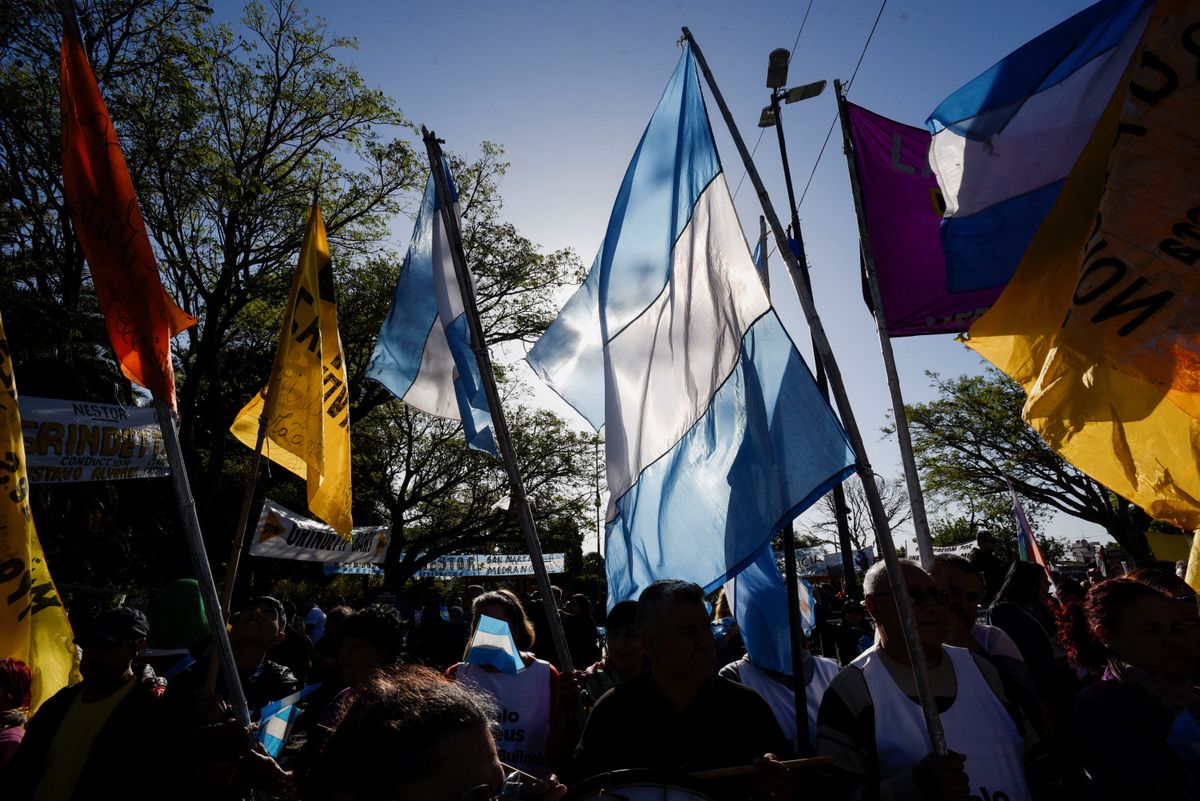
{"x":141,"y":317}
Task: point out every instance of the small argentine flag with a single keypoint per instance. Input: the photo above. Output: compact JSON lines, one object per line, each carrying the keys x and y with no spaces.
{"x":493,"y":645}
{"x":276,"y":720}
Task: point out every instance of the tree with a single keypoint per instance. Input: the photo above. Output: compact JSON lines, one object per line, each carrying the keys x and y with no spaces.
{"x":229,"y":132}
{"x":972,"y":437}
{"x":892,"y":492}
{"x":958,"y":530}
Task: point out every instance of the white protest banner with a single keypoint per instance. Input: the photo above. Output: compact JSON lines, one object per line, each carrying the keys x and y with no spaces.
{"x":68,"y":441}
{"x":962,"y":549}
{"x":283,"y":534}
{"x":810,"y":561}
{"x":489,"y":565}
{"x":862,"y":560}
{"x":463,"y":566}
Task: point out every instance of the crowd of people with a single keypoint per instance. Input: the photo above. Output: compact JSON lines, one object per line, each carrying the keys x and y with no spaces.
{"x":1050,"y":690}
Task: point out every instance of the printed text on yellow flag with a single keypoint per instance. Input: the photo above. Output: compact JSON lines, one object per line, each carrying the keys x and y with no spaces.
{"x":1101,"y":322}
{"x":33,"y":624}
{"x":306,"y":402}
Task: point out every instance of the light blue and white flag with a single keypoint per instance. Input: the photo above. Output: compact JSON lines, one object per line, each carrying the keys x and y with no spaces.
{"x":1004,"y":143}
{"x":423,"y":355}
{"x":493,"y":644}
{"x":276,"y":719}
{"x":716,"y":435}
{"x":758,"y":597}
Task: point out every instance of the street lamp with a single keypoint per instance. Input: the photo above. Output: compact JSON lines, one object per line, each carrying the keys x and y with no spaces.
{"x":777,"y":69}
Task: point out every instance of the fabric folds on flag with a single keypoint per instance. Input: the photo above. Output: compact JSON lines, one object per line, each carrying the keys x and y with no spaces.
{"x":1099,"y":323}
{"x":716,"y":435}
{"x":1004,"y":143}
{"x":423,"y":354}
{"x":902,"y":210}
{"x":758,"y":597}
{"x":1192,"y":576}
{"x":140,"y":316}
{"x":306,"y":403}
{"x":33,"y":623}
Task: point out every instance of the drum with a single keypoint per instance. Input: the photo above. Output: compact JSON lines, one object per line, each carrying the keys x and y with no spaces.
{"x":639,"y":785}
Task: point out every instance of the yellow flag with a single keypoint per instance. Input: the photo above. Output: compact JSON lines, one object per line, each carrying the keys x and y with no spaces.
{"x":33,"y":624}
{"x":306,"y":403}
{"x":1100,"y":322}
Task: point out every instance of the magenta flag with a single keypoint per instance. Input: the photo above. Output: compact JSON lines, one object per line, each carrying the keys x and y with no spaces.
{"x":902,"y":207}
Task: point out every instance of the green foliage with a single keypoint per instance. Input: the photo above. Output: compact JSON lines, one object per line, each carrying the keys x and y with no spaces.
{"x":968,"y":440}
{"x":228,"y":132}
{"x":957,"y":530}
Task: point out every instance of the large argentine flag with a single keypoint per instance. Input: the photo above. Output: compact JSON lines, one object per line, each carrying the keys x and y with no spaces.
{"x":1004,"y":143}
{"x":423,"y":354}
{"x":716,"y":435}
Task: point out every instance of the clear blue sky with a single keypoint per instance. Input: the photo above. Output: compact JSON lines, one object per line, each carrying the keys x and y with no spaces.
{"x":567,"y":87}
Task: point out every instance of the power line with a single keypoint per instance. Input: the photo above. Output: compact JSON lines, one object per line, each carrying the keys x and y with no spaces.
{"x":762,"y":131}
{"x":853,"y":75}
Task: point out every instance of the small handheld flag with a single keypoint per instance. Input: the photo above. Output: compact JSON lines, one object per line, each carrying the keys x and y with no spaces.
{"x":277,"y":718}
{"x":1027,"y":546}
{"x":493,"y":644}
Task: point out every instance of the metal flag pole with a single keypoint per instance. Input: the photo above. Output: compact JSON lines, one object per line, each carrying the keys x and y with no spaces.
{"x":499,"y":425}
{"x":791,"y":577}
{"x":916,"y":497}
{"x":199,"y":557}
{"x":862,"y":465}
{"x":841,"y":512}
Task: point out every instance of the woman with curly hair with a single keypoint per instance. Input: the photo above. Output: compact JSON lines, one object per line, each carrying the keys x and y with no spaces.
{"x":1136,"y":729}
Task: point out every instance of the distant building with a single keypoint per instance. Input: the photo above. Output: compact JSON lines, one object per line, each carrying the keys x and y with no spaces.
{"x":1082,"y":551}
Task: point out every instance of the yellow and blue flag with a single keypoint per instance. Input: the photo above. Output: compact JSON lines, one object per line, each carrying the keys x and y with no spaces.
{"x":1101,"y":321}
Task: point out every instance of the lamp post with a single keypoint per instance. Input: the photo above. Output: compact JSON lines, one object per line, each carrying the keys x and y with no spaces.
{"x":777,"y":72}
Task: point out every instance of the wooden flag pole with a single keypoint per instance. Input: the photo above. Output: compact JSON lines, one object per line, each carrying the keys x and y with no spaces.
{"x":863,"y":467}
{"x":199,"y":557}
{"x":499,"y":424}
{"x":238,"y":545}
{"x":916,"y":497}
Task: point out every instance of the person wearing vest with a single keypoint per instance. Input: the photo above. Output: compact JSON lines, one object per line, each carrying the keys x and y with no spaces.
{"x":776,"y":690}
{"x":872,"y":726}
{"x":533,"y":727}
{"x":409,"y":734}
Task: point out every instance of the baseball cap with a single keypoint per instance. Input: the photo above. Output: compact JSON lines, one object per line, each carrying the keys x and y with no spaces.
{"x":114,"y":625}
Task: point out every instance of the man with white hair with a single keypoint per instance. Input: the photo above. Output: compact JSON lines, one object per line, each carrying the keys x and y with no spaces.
{"x":871,"y":722}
